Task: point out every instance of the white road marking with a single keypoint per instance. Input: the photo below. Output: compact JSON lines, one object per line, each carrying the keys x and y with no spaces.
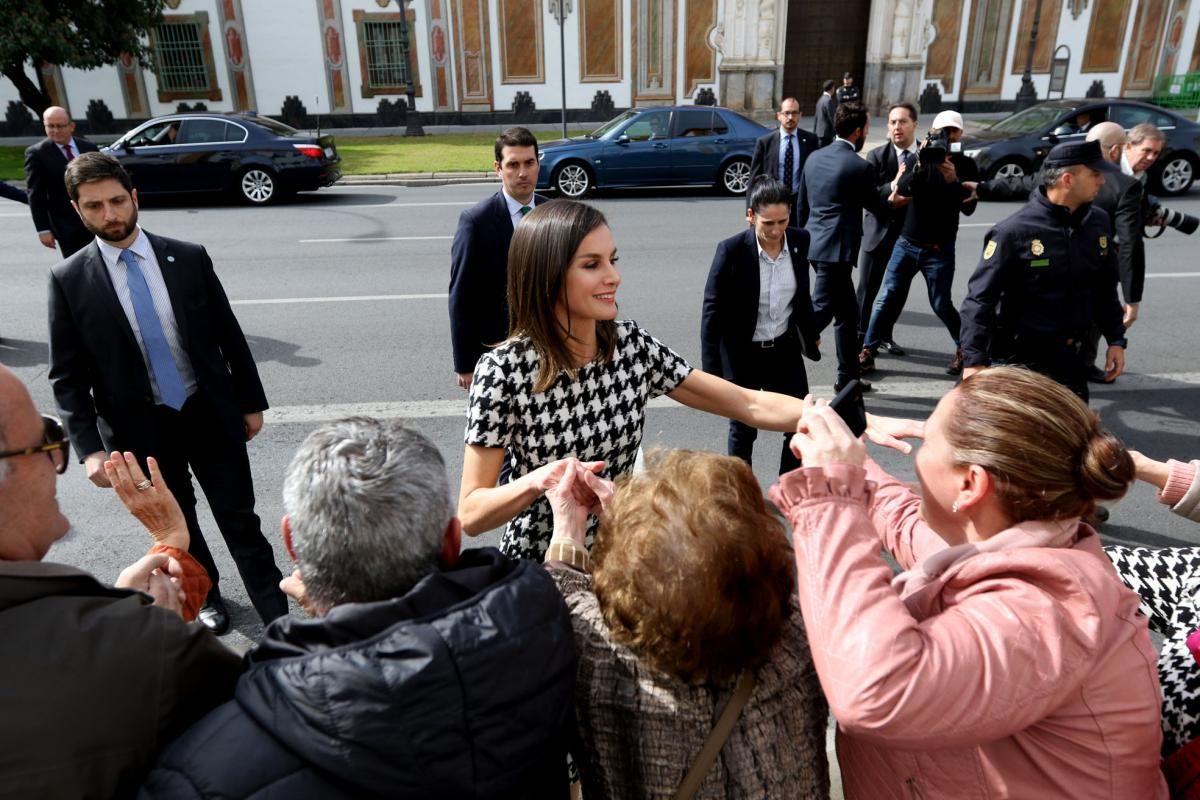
{"x":377,"y":239}
{"x":923,"y":390}
{"x":350,"y":206}
{"x":362,"y":298}
{"x":1173,"y":274}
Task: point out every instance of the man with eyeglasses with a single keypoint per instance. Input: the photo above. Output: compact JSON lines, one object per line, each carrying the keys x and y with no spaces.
{"x":45,"y":163}
{"x":146,"y":355}
{"x":93,"y":678}
{"x":781,"y":153}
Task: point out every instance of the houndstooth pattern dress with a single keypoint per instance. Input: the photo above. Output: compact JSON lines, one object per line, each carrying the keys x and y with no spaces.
{"x":1168,"y":581}
{"x":597,"y":416}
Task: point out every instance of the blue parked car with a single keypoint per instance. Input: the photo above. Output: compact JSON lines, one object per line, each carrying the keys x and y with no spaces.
{"x":674,"y":146}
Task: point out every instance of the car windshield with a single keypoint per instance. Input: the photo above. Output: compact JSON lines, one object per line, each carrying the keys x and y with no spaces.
{"x":612,"y":125}
{"x":1031,"y":119}
{"x":277,"y":128}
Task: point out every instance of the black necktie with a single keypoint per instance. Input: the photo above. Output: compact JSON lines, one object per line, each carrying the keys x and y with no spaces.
{"x":788,"y":163}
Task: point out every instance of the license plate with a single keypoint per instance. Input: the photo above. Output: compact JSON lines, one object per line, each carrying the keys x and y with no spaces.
{"x":329,"y":152}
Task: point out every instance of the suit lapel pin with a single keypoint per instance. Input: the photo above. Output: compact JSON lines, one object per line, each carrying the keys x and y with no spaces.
{"x":170,"y":259}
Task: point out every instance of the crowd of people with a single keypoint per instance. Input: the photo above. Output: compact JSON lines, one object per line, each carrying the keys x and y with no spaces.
{"x":642,"y":632}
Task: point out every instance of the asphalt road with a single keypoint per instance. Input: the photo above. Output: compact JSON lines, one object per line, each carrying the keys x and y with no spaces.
{"x":342,"y":297}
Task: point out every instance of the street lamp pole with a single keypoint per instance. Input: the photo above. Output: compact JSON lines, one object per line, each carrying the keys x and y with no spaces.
{"x":560,"y":9}
{"x":1027,"y":95}
{"x":412,"y":120}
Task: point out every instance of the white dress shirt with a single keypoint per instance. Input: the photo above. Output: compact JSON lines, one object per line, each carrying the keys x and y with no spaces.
{"x":119,"y":273}
{"x":514,"y":208}
{"x":776,"y":289}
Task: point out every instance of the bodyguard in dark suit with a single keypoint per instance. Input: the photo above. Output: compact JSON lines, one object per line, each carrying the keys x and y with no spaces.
{"x":757,"y":319}
{"x":782,"y":153}
{"x":823,"y":118}
{"x":835,"y":189}
{"x":881,"y":229}
{"x":146,"y":356}
{"x":479,"y":253}
{"x":45,"y":163}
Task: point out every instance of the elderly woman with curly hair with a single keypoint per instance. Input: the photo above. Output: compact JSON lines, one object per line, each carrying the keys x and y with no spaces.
{"x":686,"y":607}
{"x":1006,"y":659}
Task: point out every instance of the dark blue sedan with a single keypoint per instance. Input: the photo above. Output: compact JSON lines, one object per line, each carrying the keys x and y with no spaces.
{"x":256,"y":158}
{"x":675,"y":146}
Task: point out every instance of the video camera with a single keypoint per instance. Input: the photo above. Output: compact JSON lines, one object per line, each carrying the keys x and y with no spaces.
{"x":934,"y":148}
{"x":1155,"y":210}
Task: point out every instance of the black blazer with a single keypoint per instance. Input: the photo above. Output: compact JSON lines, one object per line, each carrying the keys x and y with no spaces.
{"x":879,"y":224}
{"x":823,"y":118}
{"x":97,"y":371}
{"x":479,"y":279}
{"x":835,"y":187}
{"x":45,"y":165}
{"x":730,"y":310}
{"x":766,"y":154}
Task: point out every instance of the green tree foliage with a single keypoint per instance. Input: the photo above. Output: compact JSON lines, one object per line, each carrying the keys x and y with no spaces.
{"x":70,"y":33}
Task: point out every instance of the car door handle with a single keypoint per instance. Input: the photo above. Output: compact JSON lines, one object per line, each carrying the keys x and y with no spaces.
{"x":660,"y":146}
{"x":718,"y":141}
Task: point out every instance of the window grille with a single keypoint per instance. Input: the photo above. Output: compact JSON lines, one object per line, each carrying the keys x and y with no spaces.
{"x":180,"y":55}
{"x":381,"y":42}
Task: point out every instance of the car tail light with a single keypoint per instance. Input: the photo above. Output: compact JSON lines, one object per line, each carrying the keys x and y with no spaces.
{"x":310,"y":150}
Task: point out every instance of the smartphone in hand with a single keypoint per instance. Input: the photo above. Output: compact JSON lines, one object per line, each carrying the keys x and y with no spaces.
{"x":850,"y":407}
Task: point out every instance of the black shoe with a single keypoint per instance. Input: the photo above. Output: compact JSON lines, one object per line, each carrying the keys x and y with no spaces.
{"x":893,"y":349}
{"x":1096,"y":375}
{"x":955,"y":365}
{"x":863,"y":386}
{"x":866,"y":361}
{"x":214,"y":616}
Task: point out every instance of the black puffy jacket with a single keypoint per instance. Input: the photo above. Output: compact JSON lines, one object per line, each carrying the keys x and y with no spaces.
{"x":460,"y":689}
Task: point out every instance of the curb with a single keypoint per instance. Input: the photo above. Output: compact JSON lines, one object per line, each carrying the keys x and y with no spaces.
{"x":419,"y":179}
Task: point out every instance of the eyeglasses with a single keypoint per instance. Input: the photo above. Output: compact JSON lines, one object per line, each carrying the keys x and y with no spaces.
{"x":54,"y":445}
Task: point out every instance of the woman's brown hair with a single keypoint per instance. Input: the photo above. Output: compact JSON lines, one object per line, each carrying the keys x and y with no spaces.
{"x":542,"y":248}
{"x":1046,"y":450}
{"x":691,"y":570}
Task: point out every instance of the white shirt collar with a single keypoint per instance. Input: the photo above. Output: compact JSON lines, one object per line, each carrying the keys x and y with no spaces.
{"x":912,"y":148}
{"x":847,"y":141}
{"x":141,"y":246}
{"x":763,"y":253}
{"x":1125,"y":166}
{"x":514,"y":208}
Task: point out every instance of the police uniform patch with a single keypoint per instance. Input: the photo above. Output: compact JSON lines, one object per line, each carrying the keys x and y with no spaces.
{"x":1037,"y":248}
{"x":990,"y":250}
{"x":1103,"y":242}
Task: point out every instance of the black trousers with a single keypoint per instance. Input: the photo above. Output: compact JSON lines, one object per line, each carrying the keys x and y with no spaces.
{"x":1060,"y":358}
{"x":834,"y":299}
{"x":872,"y":265}
{"x":195,"y":440}
{"x":779,"y":368}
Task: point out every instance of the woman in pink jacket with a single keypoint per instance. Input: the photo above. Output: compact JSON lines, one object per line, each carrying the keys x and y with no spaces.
{"x":1007,"y":659}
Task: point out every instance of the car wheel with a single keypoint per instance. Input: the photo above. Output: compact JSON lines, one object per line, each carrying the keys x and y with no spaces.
{"x":735,"y":176}
{"x":258,"y":186}
{"x":1007,"y":169}
{"x":1176,"y":175}
{"x":572,"y":180}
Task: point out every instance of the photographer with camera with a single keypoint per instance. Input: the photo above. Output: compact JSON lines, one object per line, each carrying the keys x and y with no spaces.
{"x":927,"y":240}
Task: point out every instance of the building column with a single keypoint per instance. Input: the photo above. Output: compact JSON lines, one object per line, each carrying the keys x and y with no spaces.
{"x":749,"y":40}
{"x":896,"y":42}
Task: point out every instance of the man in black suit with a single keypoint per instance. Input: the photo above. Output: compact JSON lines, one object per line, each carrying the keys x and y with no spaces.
{"x":147,"y":356}
{"x":781,"y":153}
{"x":823,"y":118}
{"x":848,"y":92}
{"x":479,"y":253}
{"x":757,"y":319}
{"x":45,"y":163}
{"x":881,"y":229}
{"x":835,"y":188}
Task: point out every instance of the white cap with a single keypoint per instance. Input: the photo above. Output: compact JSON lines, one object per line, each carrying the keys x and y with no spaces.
{"x":947,"y":119}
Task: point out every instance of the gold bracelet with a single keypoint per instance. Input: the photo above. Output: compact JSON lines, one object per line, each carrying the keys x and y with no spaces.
{"x":566,"y":551}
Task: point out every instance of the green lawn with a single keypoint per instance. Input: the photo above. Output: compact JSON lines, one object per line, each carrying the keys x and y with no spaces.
{"x":370,"y":155}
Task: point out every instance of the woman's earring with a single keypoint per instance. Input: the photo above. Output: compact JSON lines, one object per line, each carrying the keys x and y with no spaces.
{"x":954,"y":507}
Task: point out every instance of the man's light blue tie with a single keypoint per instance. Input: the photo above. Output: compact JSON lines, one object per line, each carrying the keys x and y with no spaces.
{"x":162,"y":363}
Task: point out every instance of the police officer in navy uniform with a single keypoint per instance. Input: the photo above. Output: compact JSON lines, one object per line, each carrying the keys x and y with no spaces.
{"x":1047,"y":273}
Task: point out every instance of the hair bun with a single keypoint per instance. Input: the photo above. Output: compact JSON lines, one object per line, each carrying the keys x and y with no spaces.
{"x":1106,"y":468}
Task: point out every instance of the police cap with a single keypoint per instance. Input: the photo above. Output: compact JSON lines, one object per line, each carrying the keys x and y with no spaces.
{"x":1068,"y":154}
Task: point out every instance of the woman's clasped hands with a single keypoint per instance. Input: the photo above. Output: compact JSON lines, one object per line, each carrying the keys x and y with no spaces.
{"x":577,"y":492}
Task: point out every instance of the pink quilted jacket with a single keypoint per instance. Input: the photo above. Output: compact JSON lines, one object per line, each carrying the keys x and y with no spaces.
{"x":1024,"y":673}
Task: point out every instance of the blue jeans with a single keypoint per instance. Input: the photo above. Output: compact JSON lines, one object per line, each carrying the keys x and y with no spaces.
{"x":937,"y":265}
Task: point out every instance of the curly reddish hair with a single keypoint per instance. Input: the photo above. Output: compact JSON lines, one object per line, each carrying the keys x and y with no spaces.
{"x":691,"y":570}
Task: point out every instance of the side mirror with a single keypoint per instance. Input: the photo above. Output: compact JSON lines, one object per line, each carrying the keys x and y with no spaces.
{"x":623,"y":138}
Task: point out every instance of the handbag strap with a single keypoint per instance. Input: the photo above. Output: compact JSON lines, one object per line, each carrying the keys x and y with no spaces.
{"x":716,"y":738}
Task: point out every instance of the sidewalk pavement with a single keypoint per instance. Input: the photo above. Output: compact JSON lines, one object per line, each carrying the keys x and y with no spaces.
{"x":877,"y":135}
